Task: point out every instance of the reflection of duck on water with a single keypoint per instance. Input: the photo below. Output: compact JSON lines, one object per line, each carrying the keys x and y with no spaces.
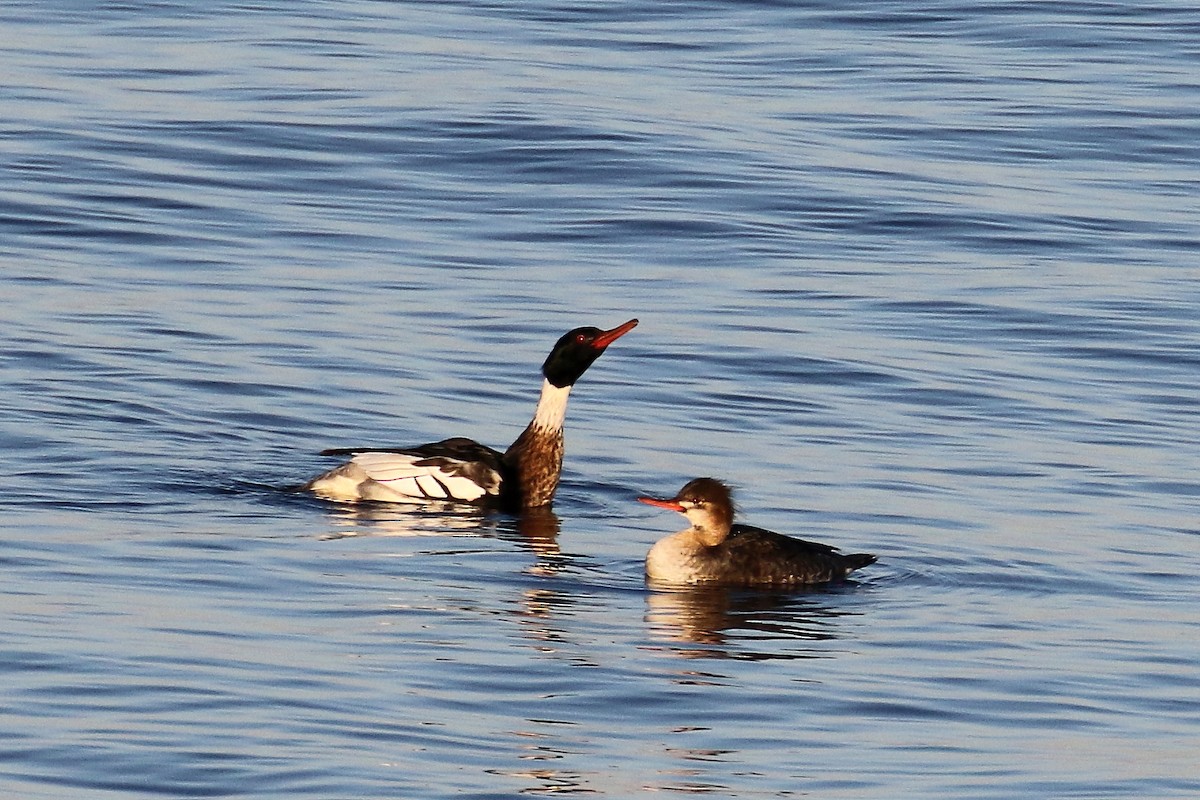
{"x":461,"y":470}
{"x":536,"y":529}
{"x":715,"y":550}
{"x":377,"y":519}
{"x":710,"y":616}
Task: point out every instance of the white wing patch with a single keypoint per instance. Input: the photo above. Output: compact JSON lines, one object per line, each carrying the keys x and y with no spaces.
{"x":423,"y":478}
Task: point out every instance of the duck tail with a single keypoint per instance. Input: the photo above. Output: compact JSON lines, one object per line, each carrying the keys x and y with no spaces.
{"x":856,"y":560}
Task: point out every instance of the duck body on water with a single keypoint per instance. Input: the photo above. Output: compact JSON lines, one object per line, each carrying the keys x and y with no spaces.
{"x":717,"y":551}
{"x":525,"y":476}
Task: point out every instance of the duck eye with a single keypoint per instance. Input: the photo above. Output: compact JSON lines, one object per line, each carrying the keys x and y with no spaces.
{"x":580,"y":338}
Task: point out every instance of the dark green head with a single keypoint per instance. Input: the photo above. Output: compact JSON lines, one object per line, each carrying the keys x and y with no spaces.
{"x":576,"y":351}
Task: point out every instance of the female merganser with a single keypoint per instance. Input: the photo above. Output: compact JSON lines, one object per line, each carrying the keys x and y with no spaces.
{"x":716,"y":551}
{"x":461,"y":470}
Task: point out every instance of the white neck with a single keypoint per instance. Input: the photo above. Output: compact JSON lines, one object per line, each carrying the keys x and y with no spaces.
{"x":707,"y":527}
{"x":551,"y":407}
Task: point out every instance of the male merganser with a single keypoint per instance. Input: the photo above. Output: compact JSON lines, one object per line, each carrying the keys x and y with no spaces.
{"x":717,"y":551}
{"x":461,"y":470}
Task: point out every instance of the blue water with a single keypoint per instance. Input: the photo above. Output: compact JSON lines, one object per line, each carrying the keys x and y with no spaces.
{"x":919,"y":280}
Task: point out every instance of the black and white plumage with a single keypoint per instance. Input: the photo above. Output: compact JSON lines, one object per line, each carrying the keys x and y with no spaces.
{"x":715,"y":550}
{"x":524,"y":476}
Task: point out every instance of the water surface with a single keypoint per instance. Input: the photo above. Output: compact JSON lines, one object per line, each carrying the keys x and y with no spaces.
{"x":919,"y":280}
